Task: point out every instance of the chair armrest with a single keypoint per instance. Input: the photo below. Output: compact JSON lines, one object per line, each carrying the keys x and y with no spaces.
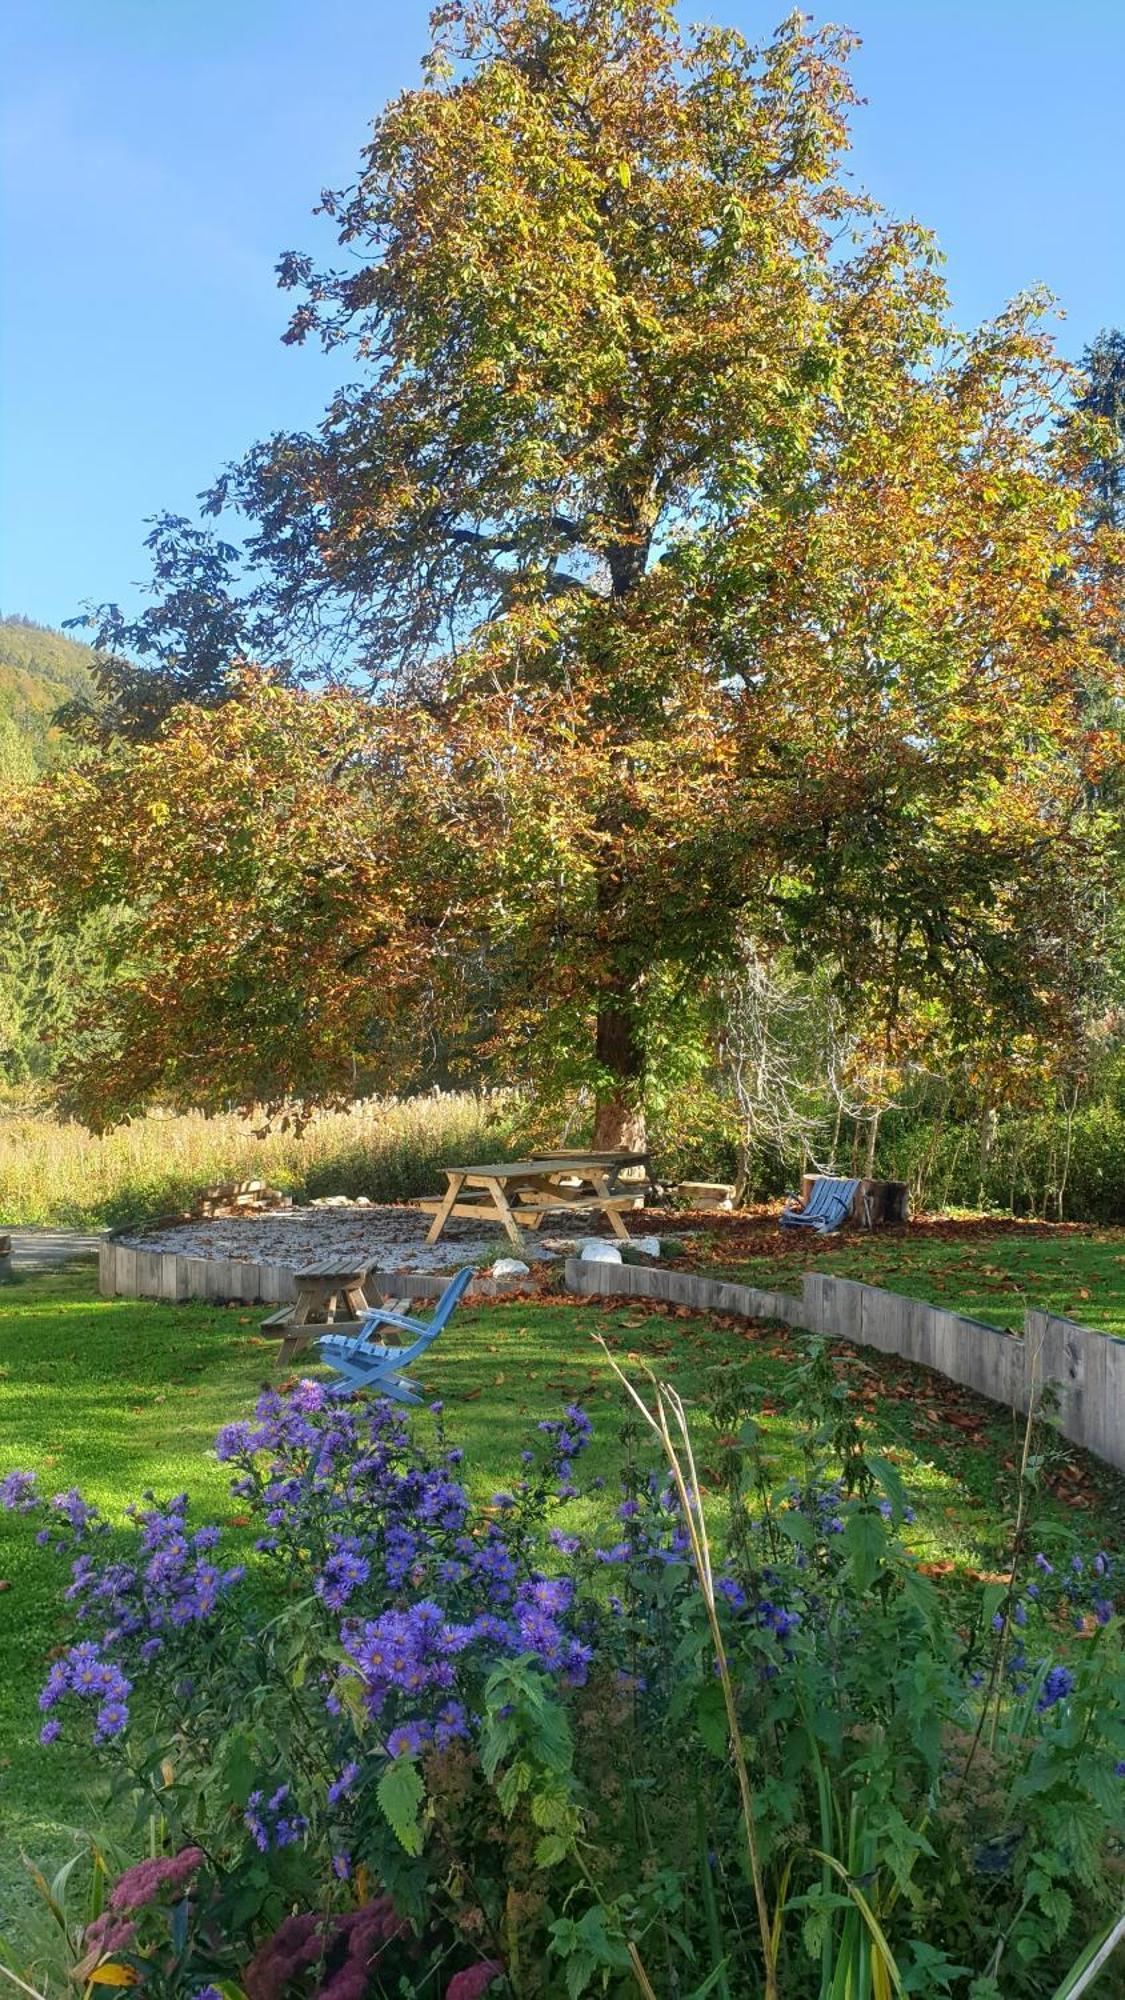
{"x":377,"y":1317}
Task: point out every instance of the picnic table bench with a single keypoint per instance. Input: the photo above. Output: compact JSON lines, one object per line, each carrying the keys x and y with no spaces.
{"x":512,"y":1192}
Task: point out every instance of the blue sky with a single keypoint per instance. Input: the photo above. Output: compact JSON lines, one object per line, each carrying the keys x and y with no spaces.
{"x":158,"y":154}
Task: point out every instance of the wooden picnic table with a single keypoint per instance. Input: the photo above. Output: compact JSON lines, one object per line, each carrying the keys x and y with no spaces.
{"x":329,"y":1297}
{"x":512,"y":1192}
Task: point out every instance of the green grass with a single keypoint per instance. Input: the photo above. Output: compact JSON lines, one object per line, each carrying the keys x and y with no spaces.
{"x":118,"y":1395}
{"x":990,"y":1270}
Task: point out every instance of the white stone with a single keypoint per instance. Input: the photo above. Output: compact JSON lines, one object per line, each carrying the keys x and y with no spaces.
{"x":595,"y":1252}
{"x":510,"y":1267}
{"x":649,"y":1246}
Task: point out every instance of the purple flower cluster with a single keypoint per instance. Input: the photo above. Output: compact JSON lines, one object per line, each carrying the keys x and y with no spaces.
{"x":1082,"y":1591}
{"x":272,"y":1822}
{"x":569,"y":1435}
{"x":82,"y":1671}
{"x":172,"y":1583}
{"x":17,"y":1493}
{"x":1057,"y":1684}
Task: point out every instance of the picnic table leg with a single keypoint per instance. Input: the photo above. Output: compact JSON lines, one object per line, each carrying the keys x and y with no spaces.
{"x":292,"y":1345}
{"x":456,"y":1182}
{"x":612,"y":1215}
{"x":504,"y":1212}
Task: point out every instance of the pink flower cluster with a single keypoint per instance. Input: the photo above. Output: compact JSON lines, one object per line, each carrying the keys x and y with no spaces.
{"x":103,"y":1937}
{"x":346,"y":1947}
{"x":475,"y":1980}
{"x":149,"y":1881}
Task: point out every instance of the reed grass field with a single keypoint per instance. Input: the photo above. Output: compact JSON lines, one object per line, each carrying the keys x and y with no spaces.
{"x":56,"y":1173}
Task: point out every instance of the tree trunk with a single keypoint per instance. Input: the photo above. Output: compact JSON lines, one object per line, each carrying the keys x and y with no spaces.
{"x":619,"y":1116}
{"x":619,"y":1119}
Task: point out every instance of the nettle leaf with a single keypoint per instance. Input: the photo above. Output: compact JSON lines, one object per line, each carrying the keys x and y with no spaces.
{"x":550,"y":1849}
{"x":400,"y":1794}
{"x":890,"y":1479}
{"x":865,"y":1540}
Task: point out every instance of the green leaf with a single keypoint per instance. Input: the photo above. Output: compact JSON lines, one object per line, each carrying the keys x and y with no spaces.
{"x":865,"y":1541}
{"x":890,"y":1479}
{"x":796,"y":1527}
{"x":711,"y":1718}
{"x":400,"y":1794}
{"x":550,"y":1849}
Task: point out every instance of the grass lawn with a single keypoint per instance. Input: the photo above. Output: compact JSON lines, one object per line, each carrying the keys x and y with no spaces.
{"x":990,"y":1269}
{"x":118,"y":1395}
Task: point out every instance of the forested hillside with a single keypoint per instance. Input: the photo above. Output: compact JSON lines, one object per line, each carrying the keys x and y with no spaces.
{"x":39,"y":670}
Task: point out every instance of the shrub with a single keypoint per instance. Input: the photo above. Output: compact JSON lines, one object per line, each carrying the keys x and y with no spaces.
{"x":425,"y":1741}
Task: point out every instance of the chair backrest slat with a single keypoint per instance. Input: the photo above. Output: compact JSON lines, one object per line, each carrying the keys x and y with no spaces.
{"x":387,"y":1364}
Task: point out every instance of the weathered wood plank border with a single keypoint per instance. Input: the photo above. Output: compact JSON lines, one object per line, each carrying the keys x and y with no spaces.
{"x":125,"y":1272}
{"x":1087,"y":1366}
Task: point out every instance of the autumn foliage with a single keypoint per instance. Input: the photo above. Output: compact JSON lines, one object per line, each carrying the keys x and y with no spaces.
{"x":701,"y":582}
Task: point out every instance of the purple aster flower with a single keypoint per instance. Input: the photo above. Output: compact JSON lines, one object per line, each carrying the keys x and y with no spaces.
{"x":17,"y":1492}
{"x":409,"y":1739}
{"x":234,"y":1441}
{"x":270,"y":1823}
{"x":553,"y":1594}
{"x":1056,"y":1687}
{"x":78,"y":1511}
{"x":50,"y":1730}
{"x":451,"y":1725}
{"x":113,"y":1717}
{"x":341,"y":1786}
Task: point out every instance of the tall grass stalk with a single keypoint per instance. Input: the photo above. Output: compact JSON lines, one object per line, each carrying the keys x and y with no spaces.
{"x":681,"y":1462}
{"x":55,"y":1173}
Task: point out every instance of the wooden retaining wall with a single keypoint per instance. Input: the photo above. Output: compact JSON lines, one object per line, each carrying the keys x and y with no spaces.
{"x":164,"y":1274}
{"x":1087,"y":1367}
{"x":125,"y":1272}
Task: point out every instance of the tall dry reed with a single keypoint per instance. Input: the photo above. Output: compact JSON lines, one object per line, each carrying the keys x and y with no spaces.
{"x":387,"y":1148}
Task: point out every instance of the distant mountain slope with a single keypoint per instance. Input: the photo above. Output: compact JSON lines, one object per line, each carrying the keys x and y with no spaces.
{"x":39,"y":670}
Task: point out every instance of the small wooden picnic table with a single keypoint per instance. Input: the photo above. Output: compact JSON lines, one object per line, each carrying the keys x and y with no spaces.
{"x":512,"y":1192}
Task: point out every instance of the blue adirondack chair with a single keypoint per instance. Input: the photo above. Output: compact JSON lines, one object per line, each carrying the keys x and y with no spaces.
{"x":829,"y":1204}
{"x":368,"y":1364}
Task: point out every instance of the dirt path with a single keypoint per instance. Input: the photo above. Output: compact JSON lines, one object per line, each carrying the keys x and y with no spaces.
{"x":46,"y":1249}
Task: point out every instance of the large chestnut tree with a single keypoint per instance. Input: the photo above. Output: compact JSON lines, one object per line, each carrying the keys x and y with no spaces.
{"x":693,"y":578}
